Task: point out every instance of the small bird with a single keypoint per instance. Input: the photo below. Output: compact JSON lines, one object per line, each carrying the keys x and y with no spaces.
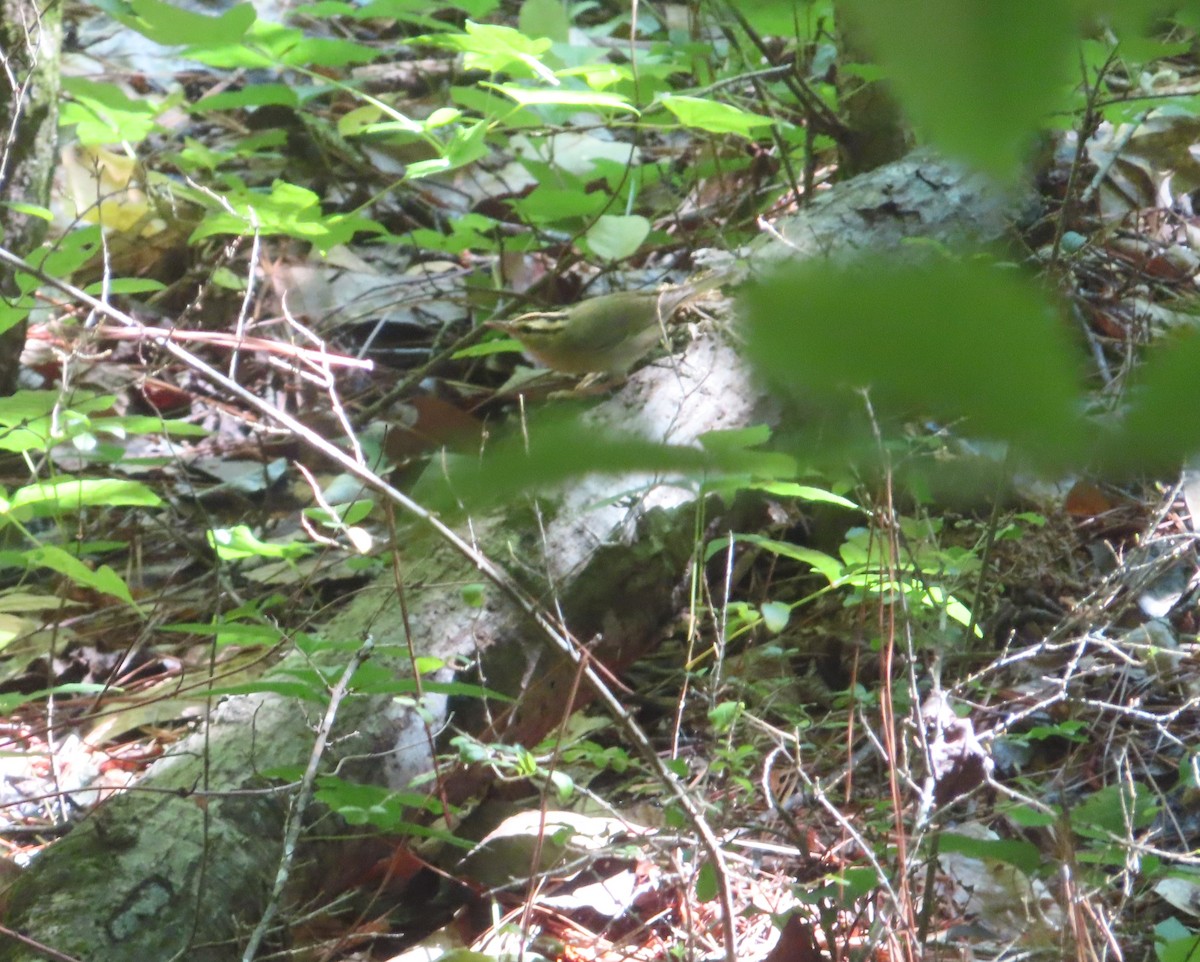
{"x":602,"y":335}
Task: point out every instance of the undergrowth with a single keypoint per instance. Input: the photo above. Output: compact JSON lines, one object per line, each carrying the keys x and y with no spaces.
{"x":879,"y":724}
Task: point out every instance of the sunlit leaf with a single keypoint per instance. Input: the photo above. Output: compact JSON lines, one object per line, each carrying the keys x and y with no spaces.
{"x":544,"y":18}
{"x":239,"y":542}
{"x":173,"y":25}
{"x":775,"y":615}
{"x":73,"y":494}
{"x":614,"y":238}
{"x":830,"y":567}
{"x":102,"y":578}
{"x":714,"y":116}
{"x":527,"y":96}
{"x":102,"y":113}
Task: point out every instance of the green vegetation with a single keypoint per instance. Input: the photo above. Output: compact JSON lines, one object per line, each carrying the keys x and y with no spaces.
{"x":567,"y":122}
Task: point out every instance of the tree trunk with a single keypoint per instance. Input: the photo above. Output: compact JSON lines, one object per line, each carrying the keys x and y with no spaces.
{"x":876,"y":131}
{"x":30,"y":41}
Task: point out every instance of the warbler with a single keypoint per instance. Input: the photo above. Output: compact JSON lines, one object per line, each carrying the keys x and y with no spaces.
{"x":601,"y":335}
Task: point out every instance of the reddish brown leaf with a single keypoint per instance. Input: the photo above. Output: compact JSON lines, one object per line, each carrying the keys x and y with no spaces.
{"x":1085,"y":500}
{"x":797,"y":943}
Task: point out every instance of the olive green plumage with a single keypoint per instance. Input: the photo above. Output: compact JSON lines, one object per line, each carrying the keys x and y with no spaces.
{"x":602,"y":335}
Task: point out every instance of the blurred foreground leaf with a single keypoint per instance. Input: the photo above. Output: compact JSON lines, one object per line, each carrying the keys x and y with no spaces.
{"x":1158,"y":430}
{"x":979,"y":77}
{"x":559,"y":446}
{"x":943,"y":340}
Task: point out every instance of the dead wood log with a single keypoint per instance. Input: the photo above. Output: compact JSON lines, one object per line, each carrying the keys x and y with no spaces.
{"x":181,"y":867}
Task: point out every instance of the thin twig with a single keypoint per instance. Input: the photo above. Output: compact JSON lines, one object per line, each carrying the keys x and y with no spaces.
{"x":44,"y":950}
{"x":295,"y":819}
{"x":315,"y":357}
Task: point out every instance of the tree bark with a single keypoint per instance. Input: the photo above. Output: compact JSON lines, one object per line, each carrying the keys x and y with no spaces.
{"x":876,"y":130}
{"x":30,"y":42}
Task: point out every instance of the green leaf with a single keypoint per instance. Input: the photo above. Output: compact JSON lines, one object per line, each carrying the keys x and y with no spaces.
{"x":1170,"y":929}
{"x":377,"y":679}
{"x":382,"y":808}
{"x":415,"y":12}
{"x":1112,"y":811}
{"x":239,"y":542}
{"x":1074,"y":729}
{"x":605,"y":74}
{"x":288,"y":209}
{"x":548,"y":204}
{"x":941,"y":340}
{"x":102,"y":579}
{"x":103,"y":113}
{"x":1182,"y":949}
{"x":148,"y":424}
{"x":30,"y":210}
{"x":735,"y":439}
{"x":29,"y":422}
{"x":579,"y":99}
{"x":1028,"y":817}
{"x":1152,"y":437}
{"x":265,"y":45}
{"x":50,"y":498}
{"x":471,"y":232}
{"x":830,"y":567}
{"x":303,"y":691}
{"x":253,"y":95}
{"x":329,"y":53}
{"x":939,"y":599}
{"x":804,"y":492}
{"x":494,"y":49}
{"x":775,"y":615}
{"x":544,"y":18}
{"x":20,"y":601}
{"x":979,"y":77}
{"x":428,"y":664}
{"x":1024,"y":855}
{"x":343,"y":514}
{"x":564,"y":787}
{"x":706,"y":883}
{"x":10,"y":703}
{"x":615,"y":238}
{"x":227,"y":279}
{"x":71,"y":252}
{"x":485,"y":102}
{"x":13,"y":311}
{"x":172,"y":25}
{"x":780,"y":18}
{"x":224,"y":632}
{"x":469,"y":144}
{"x":273,"y":45}
{"x":724,"y":715}
{"x":500,"y":345}
{"x":714,"y":116}
{"x":558,"y":449}
{"x":126,"y":285}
